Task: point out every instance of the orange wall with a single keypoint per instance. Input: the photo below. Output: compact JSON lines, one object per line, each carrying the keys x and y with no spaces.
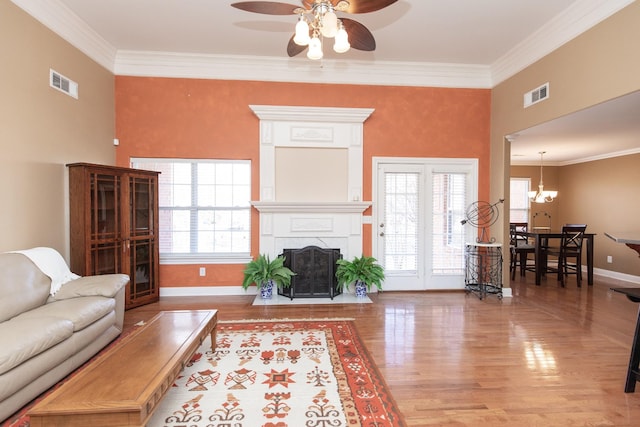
{"x":194,"y":118}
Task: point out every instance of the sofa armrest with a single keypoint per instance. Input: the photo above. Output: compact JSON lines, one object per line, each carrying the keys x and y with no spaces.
{"x":106,"y":285}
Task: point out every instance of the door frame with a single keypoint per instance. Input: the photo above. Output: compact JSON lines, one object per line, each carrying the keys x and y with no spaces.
{"x":471,"y":165}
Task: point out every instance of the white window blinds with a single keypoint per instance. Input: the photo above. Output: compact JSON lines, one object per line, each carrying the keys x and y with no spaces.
{"x":449,"y":204}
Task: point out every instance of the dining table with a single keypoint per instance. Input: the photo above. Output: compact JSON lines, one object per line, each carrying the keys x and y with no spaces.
{"x":632,"y":240}
{"x":541,"y":239}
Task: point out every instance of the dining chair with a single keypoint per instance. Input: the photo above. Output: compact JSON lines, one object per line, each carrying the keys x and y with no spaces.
{"x":520,"y":248}
{"x":541,"y":221}
{"x":570,"y":249}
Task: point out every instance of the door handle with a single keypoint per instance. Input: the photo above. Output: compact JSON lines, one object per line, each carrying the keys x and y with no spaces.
{"x":382,"y":234}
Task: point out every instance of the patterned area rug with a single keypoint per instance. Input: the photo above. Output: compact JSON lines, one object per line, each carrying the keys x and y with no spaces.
{"x":288,"y":373}
{"x":280,"y":373}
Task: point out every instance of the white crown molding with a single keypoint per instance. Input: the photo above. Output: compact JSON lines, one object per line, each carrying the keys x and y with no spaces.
{"x":581,"y":160}
{"x":62,"y":21}
{"x":602,"y":157}
{"x":573,"y":21}
{"x":230,"y":67}
{"x":579,"y":17}
{"x":311,"y":114}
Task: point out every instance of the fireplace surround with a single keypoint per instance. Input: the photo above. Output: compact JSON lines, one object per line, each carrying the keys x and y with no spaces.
{"x":304,"y":207}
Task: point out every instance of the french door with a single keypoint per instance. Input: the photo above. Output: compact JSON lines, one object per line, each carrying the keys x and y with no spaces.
{"x":418,"y":234}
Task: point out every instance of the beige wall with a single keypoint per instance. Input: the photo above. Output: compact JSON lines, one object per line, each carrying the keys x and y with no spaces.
{"x":602,"y":194}
{"x":601,"y":64}
{"x":42,"y":129}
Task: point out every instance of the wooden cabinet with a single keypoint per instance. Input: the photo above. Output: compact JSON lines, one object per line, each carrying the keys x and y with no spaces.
{"x":114,"y":226}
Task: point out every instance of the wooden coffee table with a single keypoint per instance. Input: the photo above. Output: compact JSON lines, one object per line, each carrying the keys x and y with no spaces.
{"x":123,"y":386}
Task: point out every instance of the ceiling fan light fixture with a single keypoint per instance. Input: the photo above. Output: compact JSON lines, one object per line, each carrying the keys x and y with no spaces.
{"x":341,"y":44}
{"x":318,"y":19}
{"x":302,"y":32}
{"x":315,"y":48}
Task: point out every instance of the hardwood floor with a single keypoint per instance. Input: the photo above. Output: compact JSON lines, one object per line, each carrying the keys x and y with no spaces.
{"x":548,"y":356}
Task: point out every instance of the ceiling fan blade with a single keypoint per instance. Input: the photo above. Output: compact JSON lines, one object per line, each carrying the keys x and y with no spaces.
{"x":362,"y":6}
{"x":359,"y":36}
{"x":267,"y":7}
{"x":293,"y":48}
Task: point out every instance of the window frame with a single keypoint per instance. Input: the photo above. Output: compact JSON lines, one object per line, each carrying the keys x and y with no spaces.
{"x":525,"y":196}
{"x":185,"y":258}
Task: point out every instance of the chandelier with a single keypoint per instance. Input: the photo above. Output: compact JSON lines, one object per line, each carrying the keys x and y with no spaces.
{"x":542,"y":196}
{"x":318,"y":23}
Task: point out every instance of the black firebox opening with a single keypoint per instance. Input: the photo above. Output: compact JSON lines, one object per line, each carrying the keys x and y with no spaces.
{"x":315,"y":270}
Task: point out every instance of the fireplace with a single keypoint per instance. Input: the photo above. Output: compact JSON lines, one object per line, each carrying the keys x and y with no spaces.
{"x":315,"y":270}
{"x":311,"y":173}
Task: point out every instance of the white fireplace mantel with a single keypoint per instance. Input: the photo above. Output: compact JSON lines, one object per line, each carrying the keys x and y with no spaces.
{"x":292,"y":218}
{"x":311,"y":207}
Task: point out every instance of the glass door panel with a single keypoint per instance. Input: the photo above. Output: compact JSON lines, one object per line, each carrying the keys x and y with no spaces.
{"x":141,"y":194}
{"x":106,"y":258}
{"x":105,"y":215}
{"x":142,"y":269}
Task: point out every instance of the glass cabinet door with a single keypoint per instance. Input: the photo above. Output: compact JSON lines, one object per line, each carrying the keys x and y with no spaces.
{"x":142,"y":238}
{"x":106,"y":246}
{"x":141,"y":194}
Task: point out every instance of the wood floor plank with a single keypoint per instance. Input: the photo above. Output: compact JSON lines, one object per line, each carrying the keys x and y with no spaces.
{"x":548,"y":356}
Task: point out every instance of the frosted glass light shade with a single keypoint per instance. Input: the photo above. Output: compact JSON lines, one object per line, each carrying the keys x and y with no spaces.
{"x":301,"y":37}
{"x":341,"y":44}
{"x":315,"y":49}
{"x":329,"y":26}
{"x":542,"y":196}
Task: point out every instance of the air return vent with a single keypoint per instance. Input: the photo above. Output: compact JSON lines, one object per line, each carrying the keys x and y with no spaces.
{"x":538,"y":94}
{"x":63,"y":84}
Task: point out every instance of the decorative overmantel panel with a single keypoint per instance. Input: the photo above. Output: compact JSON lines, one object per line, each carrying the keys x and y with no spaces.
{"x":323,"y":222}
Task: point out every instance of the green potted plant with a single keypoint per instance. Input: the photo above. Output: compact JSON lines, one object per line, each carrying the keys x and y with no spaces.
{"x":265,"y":272}
{"x":363,"y":272}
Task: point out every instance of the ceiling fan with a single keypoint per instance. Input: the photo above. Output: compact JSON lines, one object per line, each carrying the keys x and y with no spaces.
{"x":317,"y":20}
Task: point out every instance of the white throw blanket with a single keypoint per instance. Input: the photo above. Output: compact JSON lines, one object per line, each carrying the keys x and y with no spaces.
{"x":51,"y":263}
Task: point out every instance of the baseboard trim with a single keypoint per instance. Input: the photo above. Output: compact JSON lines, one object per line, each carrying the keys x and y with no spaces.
{"x":196,"y":291}
{"x":613,"y":275}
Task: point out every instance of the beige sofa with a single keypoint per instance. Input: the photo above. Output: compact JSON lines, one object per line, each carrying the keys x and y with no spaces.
{"x":49,"y":329}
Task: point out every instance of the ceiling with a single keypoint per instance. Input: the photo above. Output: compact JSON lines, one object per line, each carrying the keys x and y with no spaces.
{"x":486,"y":36}
{"x":452,"y":31}
{"x":605,"y":130}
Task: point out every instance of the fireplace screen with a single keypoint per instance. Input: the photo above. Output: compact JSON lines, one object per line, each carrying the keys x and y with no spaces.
{"x":315,"y":270}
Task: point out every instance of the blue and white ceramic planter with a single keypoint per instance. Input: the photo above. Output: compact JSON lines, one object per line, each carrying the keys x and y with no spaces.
{"x":361,"y":289}
{"x":266,"y":290}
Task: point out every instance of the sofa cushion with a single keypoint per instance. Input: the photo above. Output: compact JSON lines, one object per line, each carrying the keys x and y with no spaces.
{"x":22,"y":285}
{"x":106,"y":285}
{"x":80,"y":311}
{"x":24,"y":338}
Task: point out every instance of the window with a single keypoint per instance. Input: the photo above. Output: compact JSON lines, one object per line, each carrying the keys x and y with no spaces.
{"x":204,"y":209}
{"x":519,"y":200}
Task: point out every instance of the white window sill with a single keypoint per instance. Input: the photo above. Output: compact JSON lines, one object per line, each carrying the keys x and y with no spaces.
{"x":204,"y":259}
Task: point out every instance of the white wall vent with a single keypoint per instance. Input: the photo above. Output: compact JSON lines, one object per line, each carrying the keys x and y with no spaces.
{"x":538,"y":94}
{"x":63,"y":84}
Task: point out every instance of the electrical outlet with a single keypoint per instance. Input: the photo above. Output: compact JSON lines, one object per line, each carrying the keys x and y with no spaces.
{"x":203,"y":271}
{"x":609,"y":259}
